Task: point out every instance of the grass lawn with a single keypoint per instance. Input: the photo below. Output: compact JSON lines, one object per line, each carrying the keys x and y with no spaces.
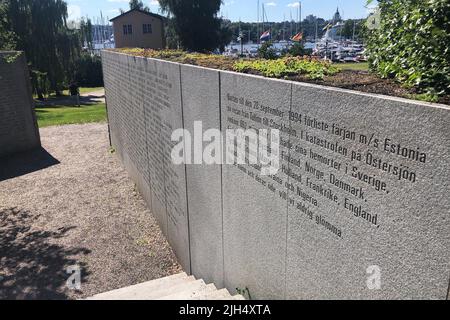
{"x":357,"y":66}
{"x":61,"y":115}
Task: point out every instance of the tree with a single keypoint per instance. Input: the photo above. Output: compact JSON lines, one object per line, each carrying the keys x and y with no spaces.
{"x":267,"y":51}
{"x":8,"y":39}
{"x":225,"y":34}
{"x":347,"y":29}
{"x":297,"y":50}
{"x":195,"y":22}
{"x":138,"y":4}
{"x":352,"y":29}
{"x":88,"y":71}
{"x":86,"y":33}
{"x":172,"y":39}
{"x":39,"y":28}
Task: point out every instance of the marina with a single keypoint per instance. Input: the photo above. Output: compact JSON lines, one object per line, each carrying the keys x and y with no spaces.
{"x":333,"y":45}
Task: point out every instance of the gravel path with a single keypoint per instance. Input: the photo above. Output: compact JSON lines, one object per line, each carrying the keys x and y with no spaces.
{"x":81,"y":210}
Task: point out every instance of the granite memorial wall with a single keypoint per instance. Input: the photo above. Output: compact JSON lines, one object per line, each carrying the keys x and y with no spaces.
{"x":18,"y":126}
{"x":359,"y":208}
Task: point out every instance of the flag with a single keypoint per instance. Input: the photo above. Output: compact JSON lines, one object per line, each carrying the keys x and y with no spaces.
{"x":265,"y":36}
{"x":298,"y":37}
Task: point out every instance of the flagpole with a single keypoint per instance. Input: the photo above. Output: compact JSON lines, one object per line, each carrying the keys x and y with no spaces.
{"x":262,"y":18}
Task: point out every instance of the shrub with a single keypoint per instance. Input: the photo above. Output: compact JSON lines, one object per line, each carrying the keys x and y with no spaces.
{"x":297,"y":50}
{"x":276,"y":68}
{"x":40,"y":83}
{"x":289,"y":66}
{"x":88,"y":71}
{"x":412,"y":44}
{"x":266,"y":51}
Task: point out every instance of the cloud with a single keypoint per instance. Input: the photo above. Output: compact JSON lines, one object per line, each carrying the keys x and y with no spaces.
{"x":271,"y":4}
{"x":74,"y":12}
{"x":294,"y":5}
{"x":228,"y":3}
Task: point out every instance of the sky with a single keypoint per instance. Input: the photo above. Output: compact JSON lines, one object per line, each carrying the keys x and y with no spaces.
{"x":235,"y":10}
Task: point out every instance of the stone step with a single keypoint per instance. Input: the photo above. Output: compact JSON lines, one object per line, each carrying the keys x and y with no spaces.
{"x":147,"y":290}
{"x":222,"y":294}
{"x":192,"y":292}
{"x":176,"y":287}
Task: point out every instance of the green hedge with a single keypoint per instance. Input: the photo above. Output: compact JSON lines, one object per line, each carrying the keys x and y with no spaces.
{"x":88,"y":71}
{"x":412,"y":44}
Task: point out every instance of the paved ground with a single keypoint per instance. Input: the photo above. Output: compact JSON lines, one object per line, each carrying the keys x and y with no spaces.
{"x":94,"y":97}
{"x":98,"y":96}
{"x":73,"y":204}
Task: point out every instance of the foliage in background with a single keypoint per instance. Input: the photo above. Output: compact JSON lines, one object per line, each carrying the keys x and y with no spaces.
{"x":196,"y":23}
{"x":267,"y":51}
{"x":297,"y":50}
{"x":8,"y":39}
{"x":138,"y":4}
{"x":353,"y":29}
{"x":412,"y":44}
{"x":86,"y":33}
{"x":288,"y":66}
{"x":225,"y":34}
{"x":88,"y":71}
{"x":39,"y":28}
{"x":172,"y":39}
{"x":40,"y":83}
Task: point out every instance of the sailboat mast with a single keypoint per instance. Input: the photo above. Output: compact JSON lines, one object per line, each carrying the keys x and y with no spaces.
{"x":263,"y":30}
{"x":317,"y":23}
{"x":354,"y":30}
{"x":267,"y":20}
{"x":300,"y":15}
{"x":291,"y":26}
{"x":257,"y":25}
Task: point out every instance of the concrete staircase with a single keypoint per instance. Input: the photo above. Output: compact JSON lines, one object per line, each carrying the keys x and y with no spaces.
{"x":176,"y":287}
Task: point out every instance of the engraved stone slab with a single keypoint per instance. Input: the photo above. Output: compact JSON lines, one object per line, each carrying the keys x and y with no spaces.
{"x":18,"y":125}
{"x":371,"y":213}
{"x":167,"y":112}
{"x":255,"y":206}
{"x":115,"y":70}
{"x":153,"y":122}
{"x":201,"y":102}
